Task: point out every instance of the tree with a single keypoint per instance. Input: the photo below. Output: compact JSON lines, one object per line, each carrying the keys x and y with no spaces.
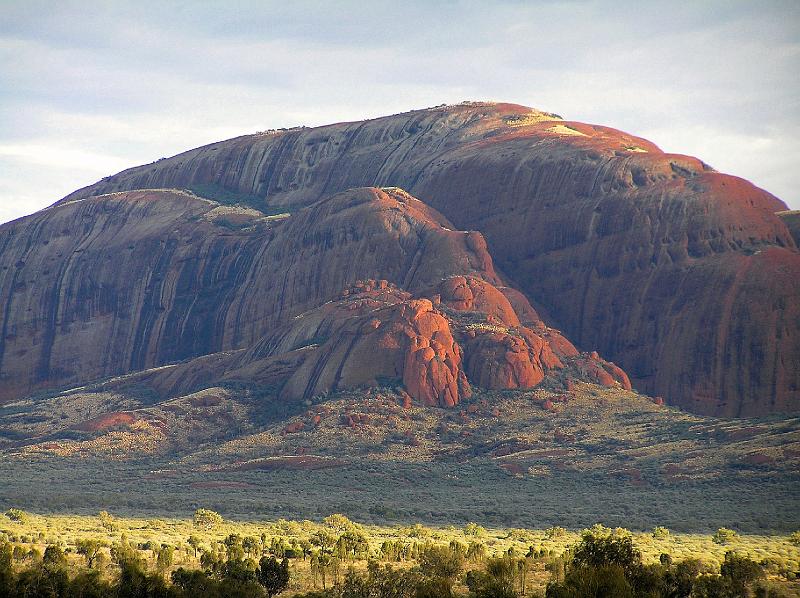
{"x":54,"y":558}
{"x":134,"y":582}
{"x":741,"y":570}
{"x":555,"y":532}
{"x":474,"y":530}
{"x":6,"y":568}
{"x":90,"y":549}
{"x":194,"y":542}
{"x":17,"y":515}
{"x":795,"y":538}
{"x":233,"y":547}
{"x":251,"y":546}
{"x":339,"y":522}
{"x":723,"y":536}
{"x":164,"y":556}
{"x":273,"y":576}
{"x":600,"y":550}
{"x":89,"y":584}
{"x":206,"y":519}
{"x":603,"y":563}
{"x":497,"y":581}
{"x":679,"y":580}
{"x":660,"y":533}
{"x":325,"y":540}
{"x":600,"y":582}
{"x":106,"y":520}
{"x":122,"y":552}
{"x":193,"y":583}
{"x":352,"y":544}
{"x":440,"y":563}
{"x":417,"y":531}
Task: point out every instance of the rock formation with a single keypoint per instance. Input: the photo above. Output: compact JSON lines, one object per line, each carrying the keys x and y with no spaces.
{"x":682,"y":275}
{"x":136,"y":280}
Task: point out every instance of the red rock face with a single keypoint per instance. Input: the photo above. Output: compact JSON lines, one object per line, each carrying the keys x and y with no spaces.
{"x":369,"y":337}
{"x":501,"y":353}
{"x":378,"y":334}
{"x":254,"y":282}
{"x":130,"y":281}
{"x":683,"y":276}
{"x":115,"y":284}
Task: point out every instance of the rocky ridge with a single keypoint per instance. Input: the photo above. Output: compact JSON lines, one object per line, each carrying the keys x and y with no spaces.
{"x":155,"y":277}
{"x":684,"y":276}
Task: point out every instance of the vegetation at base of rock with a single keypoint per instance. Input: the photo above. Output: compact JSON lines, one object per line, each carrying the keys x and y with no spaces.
{"x":226,"y":196}
{"x":600,"y":454}
{"x":340,"y":558}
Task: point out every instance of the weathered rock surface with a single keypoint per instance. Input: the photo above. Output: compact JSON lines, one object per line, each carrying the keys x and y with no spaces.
{"x":501,"y":352}
{"x":682,"y":275}
{"x":373,"y":335}
{"x":129,"y":281}
{"x":154,"y":277}
{"x":376,"y":333}
{"x":116,"y":284}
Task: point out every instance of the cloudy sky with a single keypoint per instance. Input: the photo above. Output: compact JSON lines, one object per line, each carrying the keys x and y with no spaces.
{"x":89,"y":88}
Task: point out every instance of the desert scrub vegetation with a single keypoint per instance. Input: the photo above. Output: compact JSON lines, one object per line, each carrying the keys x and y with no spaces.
{"x":208,"y":555}
{"x":587,"y":455}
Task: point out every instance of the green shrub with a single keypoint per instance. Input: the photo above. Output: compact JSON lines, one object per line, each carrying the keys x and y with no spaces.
{"x":724,"y":536}
{"x":555,"y":532}
{"x":206,"y":519}
{"x":660,"y":533}
{"x":474,"y":530}
{"x":17,"y":515}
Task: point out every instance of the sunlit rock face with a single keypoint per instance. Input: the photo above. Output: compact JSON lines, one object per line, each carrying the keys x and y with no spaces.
{"x":683,"y":276}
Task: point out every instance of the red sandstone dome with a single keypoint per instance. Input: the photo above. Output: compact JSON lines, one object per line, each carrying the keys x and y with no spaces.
{"x":685,"y":277}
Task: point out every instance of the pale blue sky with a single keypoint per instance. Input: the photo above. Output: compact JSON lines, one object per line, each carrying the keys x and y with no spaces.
{"x":88,"y":88}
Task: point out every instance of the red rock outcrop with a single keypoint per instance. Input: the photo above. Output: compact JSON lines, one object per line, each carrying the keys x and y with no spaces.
{"x":500,"y":352}
{"x":130,"y":281}
{"x":684,"y":276}
{"x":467,"y":293}
{"x":209,"y":289}
{"x":376,"y":333}
{"x":371,"y":336}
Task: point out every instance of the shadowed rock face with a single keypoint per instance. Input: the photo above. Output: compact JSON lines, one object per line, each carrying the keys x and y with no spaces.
{"x":117,"y":283}
{"x":128,"y":281}
{"x":792,"y":220}
{"x":682,"y":275}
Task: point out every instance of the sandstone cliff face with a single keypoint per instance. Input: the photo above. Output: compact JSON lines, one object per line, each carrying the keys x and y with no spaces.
{"x":124,"y":282}
{"x":682,"y":275}
{"x":115,"y":284}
